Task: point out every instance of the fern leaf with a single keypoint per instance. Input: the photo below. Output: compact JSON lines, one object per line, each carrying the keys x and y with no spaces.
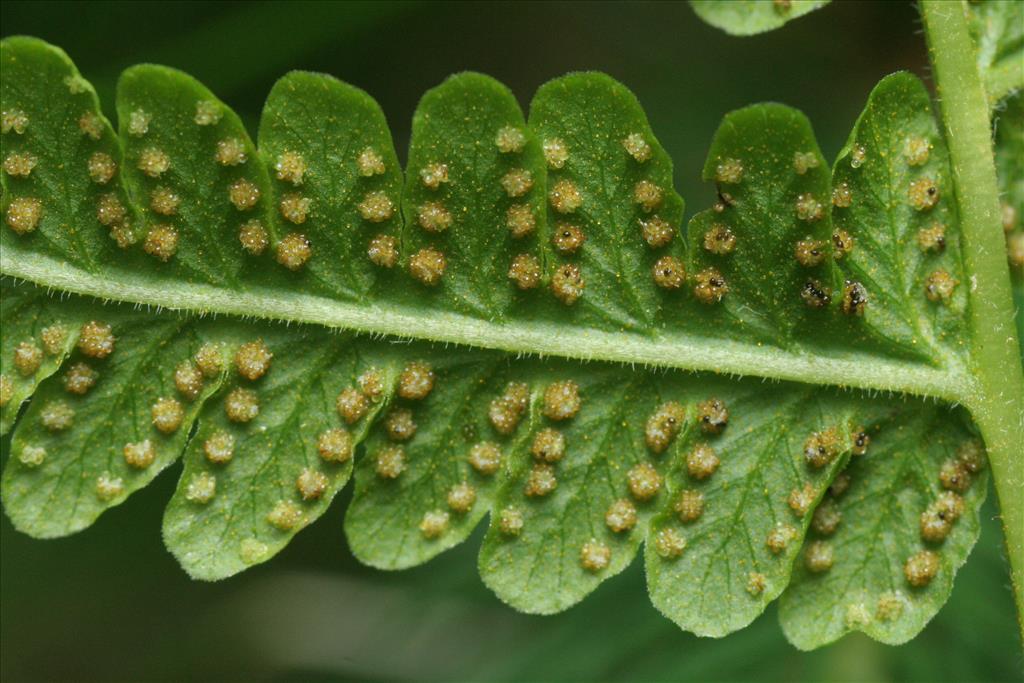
{"x":526,"y":246}
{"x":748,"y":17}
{"x":998,"y":30}
{"x":1009,"y":150}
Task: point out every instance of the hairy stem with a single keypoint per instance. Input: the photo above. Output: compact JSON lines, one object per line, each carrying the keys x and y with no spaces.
{"x":676,"y":350}
{"x":998,"y":404}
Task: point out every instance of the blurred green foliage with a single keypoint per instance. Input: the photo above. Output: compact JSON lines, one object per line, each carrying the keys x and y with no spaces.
{"x":112,"y":605}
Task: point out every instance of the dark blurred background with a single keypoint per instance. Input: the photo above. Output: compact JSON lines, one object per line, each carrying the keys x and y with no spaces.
{"x":111,"y":604}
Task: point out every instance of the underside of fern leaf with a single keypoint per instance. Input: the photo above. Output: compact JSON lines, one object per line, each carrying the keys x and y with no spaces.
{"x":517,"y":326}
{"x":748,"y":17}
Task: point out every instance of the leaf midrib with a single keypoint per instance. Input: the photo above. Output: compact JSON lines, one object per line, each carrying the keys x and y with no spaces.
{"x":678,"y":350}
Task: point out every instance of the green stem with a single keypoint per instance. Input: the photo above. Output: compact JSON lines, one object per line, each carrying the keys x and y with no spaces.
{"x":998,"y":403}
{"x":675,"y":349}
